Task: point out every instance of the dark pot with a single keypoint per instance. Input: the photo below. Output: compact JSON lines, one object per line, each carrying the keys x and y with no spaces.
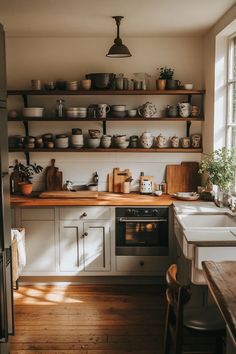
{"x":101,"y":81}
{"x":172,"y":84}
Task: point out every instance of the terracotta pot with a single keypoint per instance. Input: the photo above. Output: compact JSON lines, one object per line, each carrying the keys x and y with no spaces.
{"x":161,"y":84}
{"x":26,"y":188}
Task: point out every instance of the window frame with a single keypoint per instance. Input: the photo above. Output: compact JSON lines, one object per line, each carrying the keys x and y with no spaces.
{"x":230,"y":82}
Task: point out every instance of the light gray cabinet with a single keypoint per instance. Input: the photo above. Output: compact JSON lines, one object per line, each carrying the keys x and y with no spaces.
{"x":84,"y":246}
{"x":40,"y":240}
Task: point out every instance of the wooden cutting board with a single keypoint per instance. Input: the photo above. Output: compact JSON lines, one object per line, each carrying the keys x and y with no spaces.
{"x":183,"y":177}
{"x":53,"y":177}
{"x":119,"y":178}
{"x":69,"y":195}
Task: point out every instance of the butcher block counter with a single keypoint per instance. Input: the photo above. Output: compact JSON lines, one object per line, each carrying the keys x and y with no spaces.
{"x":221,"y":281}
{"x":104,"y":198}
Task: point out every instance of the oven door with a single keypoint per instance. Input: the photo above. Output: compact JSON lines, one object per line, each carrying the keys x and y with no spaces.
{"x":142,"y":236}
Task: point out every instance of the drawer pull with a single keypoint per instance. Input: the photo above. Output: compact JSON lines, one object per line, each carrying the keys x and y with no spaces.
{"x":141,"y":263}
{"x":85,"y":234}
{"x":84,"y":215}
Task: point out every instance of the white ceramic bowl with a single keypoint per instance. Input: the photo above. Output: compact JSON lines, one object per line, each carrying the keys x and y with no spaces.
{"x":188,"y":86}
{"x":158,"y":193}
{"x":119,"y":138}
{"x":93,"y":143}
{"x":33,"y":111}
{"x":132,"y":112}
{"x":123,"y":145}
{"x":118,"y":107}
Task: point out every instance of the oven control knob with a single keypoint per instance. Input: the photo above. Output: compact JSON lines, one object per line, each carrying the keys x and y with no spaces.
{"x":155,"y":212}
{"x":130,"y":212}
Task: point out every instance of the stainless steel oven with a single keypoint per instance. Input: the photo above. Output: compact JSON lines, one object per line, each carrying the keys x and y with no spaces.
{"x":142,"y":231}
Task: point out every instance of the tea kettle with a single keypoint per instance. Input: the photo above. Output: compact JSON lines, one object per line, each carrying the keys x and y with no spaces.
{"x":147,"y":110}
{"x":146,"y":184}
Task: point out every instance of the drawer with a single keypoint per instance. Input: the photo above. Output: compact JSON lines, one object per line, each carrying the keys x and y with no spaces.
{"x":142,"y":264}
{"x":84,"y":213}
{"x":37,"y":214}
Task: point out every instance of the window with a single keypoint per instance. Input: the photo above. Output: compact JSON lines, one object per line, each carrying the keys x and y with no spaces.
{"x":231,"y":94}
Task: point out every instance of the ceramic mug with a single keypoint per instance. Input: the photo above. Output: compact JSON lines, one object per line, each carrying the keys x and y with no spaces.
{"x":196,"y":141}
{"x":184,"y":109}
{"x":102,"y":110}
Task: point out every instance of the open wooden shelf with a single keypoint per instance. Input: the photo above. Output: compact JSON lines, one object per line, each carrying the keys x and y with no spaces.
{"x":104,"y":92}
{"x":139,"y":150}
{"x":112,"y":119}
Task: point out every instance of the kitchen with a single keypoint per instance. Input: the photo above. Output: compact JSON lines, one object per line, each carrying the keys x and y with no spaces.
{"x":54,"y":51}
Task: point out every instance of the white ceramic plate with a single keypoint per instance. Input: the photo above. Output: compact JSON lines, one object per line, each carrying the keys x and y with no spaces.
{"x":186,"y":196}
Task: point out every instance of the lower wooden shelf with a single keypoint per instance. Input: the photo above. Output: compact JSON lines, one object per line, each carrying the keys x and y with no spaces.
{"x":127,"y":150}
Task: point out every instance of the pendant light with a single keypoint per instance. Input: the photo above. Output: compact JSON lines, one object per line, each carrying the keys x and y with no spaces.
{"x":118,"y":49}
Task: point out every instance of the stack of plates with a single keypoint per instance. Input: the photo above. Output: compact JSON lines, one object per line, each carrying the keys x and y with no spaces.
{"x":118,"y":111}
{"x":76,"y":112}
{"x":33,"y":111}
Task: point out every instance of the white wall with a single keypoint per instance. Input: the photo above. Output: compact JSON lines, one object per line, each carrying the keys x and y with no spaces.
{"x":215,"y":62}
{"x":70,"y":59}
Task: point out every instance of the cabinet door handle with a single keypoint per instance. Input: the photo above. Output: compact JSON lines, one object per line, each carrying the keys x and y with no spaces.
{"x":141,"y":263}
{"x":84,"y":235}
{"x":84,"y":215}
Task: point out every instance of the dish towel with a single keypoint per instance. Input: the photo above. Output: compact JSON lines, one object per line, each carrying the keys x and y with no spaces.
{"x":18,"y":252}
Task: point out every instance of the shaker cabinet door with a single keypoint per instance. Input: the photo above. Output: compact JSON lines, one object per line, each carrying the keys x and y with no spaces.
{"x":40,"y":246}
{"x":96,"y":246}
{"x":70,"y":246}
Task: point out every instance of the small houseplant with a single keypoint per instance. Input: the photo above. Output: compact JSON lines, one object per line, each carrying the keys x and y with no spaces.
{"x":24,"y":175}
{"x":165,"y":74}
{"x":220,"y":169}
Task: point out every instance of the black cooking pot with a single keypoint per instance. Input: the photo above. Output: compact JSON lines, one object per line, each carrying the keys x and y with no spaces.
{"x":101,"y":81}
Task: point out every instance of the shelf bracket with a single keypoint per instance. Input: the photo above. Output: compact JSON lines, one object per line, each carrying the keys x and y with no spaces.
{"x":27,"y":157}
{"x":188,"y":126}
{"x":104,"y":127}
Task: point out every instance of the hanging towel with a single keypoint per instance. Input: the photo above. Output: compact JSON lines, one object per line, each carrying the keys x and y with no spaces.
{"x":18,"y":235}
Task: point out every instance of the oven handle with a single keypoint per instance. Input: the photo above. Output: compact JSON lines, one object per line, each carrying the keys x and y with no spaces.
{"x":141,"y":220}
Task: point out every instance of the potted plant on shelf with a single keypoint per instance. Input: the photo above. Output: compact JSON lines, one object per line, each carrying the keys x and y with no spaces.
{"x":220,"y":169}
{"x":24,"y":174}
{"x":165,"y":75}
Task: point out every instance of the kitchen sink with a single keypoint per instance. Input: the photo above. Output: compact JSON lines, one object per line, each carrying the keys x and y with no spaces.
{"x":205,"y":221}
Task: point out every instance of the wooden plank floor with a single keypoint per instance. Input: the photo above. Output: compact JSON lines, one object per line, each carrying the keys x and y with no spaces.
{"x":89,"y":319}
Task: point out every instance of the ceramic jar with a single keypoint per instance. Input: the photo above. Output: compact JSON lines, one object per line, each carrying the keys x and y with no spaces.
{"x":147,"y":110}
{"x":172,"y":111}
{"x":185,"y":142}
{"x":195,"y":111}
{"x":161,"y":141}
{"x":196,"y":141}
{"x":174,"y":141}
{"x":106,"y":141}
{"x":133,"y":141}
{"x":184,"y":109}
{"x":146,"y":140}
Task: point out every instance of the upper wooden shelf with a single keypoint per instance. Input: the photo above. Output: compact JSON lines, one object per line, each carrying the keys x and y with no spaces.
{"x":104,"y":92}
{"x":48,"y":119}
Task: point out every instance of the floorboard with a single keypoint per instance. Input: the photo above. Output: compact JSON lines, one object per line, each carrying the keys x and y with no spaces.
{"x":84,"y":319}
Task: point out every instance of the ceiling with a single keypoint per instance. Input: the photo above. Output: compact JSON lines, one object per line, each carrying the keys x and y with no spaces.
{"x":92,"y":18}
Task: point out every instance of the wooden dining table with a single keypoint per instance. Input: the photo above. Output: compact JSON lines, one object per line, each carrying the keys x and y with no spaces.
{"x":221,"y":280}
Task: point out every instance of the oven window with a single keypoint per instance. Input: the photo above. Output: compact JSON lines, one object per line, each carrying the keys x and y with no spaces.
{"x":144,"y":234}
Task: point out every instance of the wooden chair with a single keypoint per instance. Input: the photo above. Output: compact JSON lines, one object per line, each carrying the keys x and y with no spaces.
{"x":182,"y":323}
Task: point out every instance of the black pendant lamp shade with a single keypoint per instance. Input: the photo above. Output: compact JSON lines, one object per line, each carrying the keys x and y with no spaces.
{"x":118,"y":49}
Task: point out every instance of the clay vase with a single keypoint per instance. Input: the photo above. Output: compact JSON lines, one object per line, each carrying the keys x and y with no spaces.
{"x":161,"y":84}
{"x":26,"y":188}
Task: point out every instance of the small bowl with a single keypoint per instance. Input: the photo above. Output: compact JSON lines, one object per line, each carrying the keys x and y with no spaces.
{"x":93,"y":143}
{"x":158,"y":193}
{"x":33,"y":111}
{"x":119,"y":138}
{"x":118,"y":114}
{"x":188,"y":86}
{"x":123,"y":145}
{"x":94,"y":133}
{"x":118,"y":107}
{"x":132,"y":112}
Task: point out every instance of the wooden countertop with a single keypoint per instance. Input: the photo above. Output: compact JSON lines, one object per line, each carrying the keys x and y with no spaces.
{"x":221,"y":281}
{"x":104,"y":198}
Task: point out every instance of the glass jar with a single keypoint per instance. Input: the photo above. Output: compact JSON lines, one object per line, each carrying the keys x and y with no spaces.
{"x":60,"y":108}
